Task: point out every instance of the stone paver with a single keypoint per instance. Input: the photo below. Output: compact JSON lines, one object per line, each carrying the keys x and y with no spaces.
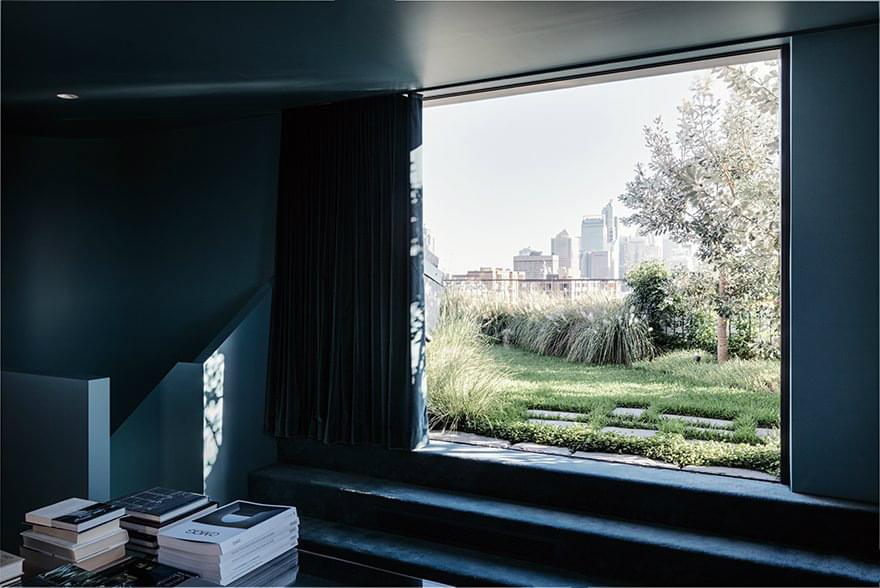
{"x":628,"y":412}
{"x":629,"y":432}
{"x":763,"y":433}
{"x":562,"y":424}
{"x":735,"y":472}
{"x":555,"y":414}
{"x":722,"y":432}
{"x":715,"y":423}
{"x":539,"y":448}
{"x":470,"y":439}
{"x":624,"y":458}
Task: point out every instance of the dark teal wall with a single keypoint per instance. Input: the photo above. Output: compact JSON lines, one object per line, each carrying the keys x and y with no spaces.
{"x":122,"y":256}
{"x":245,"y":447}
{"x":834,"y":258}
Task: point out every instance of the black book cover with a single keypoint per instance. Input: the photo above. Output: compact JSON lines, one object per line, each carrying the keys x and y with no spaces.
{"x":88,"y":513}
{"x":157,"y":501}
{"x":148,"y":523}
{"x":131,"y":572}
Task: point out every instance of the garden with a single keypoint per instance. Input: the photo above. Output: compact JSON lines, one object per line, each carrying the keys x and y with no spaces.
{"x":684,"y":369}
{"x":587,"y":375}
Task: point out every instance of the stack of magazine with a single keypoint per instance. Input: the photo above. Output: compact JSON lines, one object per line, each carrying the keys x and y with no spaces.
{"x":11,"y":569}
{"x":75,"y":530}
{"x":231,"y":542}
{"x":150,"y":511}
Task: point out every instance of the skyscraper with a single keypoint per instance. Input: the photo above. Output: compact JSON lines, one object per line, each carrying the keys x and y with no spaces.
{"x":593,"y":238}
{"x":563,"y":246}
{"x":635,"y":250}
{"x":535,"y":265}
{"x":678,"y":255}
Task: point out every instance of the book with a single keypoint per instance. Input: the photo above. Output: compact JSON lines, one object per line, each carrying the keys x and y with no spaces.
{"x":227,"y":528}
{"x":147,"y":527}
{"x":281,"y":571}
{"x":75,"y":537}
{"x":45,"y":561}
{"x":160,"y":504}
{"x":10,"y":567}
{"x":75,"y":514}
{"x":73,"y":551}
{"x":130,"y":572}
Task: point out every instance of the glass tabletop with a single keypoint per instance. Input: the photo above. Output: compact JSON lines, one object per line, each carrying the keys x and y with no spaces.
{"x":323,"y":570}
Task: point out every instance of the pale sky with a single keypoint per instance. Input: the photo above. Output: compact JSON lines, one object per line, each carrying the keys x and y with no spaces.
{"x":507,"y":173}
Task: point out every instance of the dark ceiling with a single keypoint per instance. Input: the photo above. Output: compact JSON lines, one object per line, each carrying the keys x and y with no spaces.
{"x":143,"y":60}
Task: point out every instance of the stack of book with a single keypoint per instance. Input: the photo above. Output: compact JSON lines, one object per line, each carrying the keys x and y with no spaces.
{"x":150,"y":511}
{"x":75,"y":530}
{"x":230,"y":542}
{"x":10,"y":569}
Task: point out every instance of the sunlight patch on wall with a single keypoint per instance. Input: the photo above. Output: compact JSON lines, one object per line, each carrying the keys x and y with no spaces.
{"x":212,"y":379}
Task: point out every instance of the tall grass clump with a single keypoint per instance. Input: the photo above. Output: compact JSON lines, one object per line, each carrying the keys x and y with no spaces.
{"x":596,"y":330}
{"x":464,"y":381}
{"x":619,"y":337}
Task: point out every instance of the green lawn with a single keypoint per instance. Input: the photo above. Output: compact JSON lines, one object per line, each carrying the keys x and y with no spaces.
{"x":742,"y":391}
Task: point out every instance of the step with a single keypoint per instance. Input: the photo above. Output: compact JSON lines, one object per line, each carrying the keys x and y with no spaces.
{"x":629,"y":552}
{"x":765,"y":511}
{"x":434,"y":562}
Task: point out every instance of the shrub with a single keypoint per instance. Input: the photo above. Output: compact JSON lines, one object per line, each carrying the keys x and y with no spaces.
{"x":653,"y":296}
{"x":463,"y":380}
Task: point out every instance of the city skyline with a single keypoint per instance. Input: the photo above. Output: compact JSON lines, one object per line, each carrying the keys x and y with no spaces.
{"x":509,"y":173}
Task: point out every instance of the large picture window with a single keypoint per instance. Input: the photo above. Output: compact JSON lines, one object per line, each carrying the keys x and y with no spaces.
{"x":603,"y":265}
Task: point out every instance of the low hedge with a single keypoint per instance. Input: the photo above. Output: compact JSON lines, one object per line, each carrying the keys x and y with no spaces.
{"x":667,"y":447}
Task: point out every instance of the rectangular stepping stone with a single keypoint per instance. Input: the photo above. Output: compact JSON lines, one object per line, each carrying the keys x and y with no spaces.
{"x":470,"y":439}
{"x":706,"y":422}
{"x":628,"y":412}
{"x":629,"y":432}
{"x":539,"y":448}
{"x":561,"y":424}
{"x":624,"y":458}
{"x":763,"y":432}
{"x":735,"y":472}
{"x":556,"y":415}
{"x":722,"y":432}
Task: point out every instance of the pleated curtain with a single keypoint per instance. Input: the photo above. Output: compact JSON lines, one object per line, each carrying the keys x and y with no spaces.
{"x":347,"y":342}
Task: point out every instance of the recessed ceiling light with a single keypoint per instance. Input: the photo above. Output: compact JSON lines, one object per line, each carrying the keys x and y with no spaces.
{"x":66,"y":96}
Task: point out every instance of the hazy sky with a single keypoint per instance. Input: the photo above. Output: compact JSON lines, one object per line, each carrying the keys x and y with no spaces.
{"x":507,"y":173}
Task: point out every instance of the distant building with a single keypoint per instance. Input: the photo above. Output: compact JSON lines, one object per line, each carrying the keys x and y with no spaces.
{"x":489,"y":279}
{"x":565,"y":248}
{"x":593,"y":238}
{"x":599,"y":264}
{"x":635,"y":250}
{"x":678,"y":255}
{"x":535,"y":265}
{"x":598,"y":250}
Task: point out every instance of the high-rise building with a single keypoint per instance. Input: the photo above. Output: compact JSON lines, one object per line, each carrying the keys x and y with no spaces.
{"x":599,"y":234}
{"x":565,"y":247}
{"x":599,"y":264}
{"x":635,"y":250}
{"x":678,"y":255}
{"x":594,"y":237}
{"x":535,"y":265}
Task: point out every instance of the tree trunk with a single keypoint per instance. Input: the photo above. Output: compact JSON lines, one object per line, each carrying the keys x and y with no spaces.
{"x":721,"y":333}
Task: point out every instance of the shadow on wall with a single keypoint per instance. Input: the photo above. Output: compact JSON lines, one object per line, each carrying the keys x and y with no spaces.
{"x":201,"y":428}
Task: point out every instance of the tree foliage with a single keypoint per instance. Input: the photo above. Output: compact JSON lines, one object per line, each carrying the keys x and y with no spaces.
{"x":715,"y":183}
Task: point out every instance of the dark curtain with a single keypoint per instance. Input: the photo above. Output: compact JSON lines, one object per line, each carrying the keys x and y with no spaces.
{"x":346,"y":357}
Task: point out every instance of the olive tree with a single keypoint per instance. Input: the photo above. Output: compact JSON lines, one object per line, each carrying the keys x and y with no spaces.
{"x":715,"y":183}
